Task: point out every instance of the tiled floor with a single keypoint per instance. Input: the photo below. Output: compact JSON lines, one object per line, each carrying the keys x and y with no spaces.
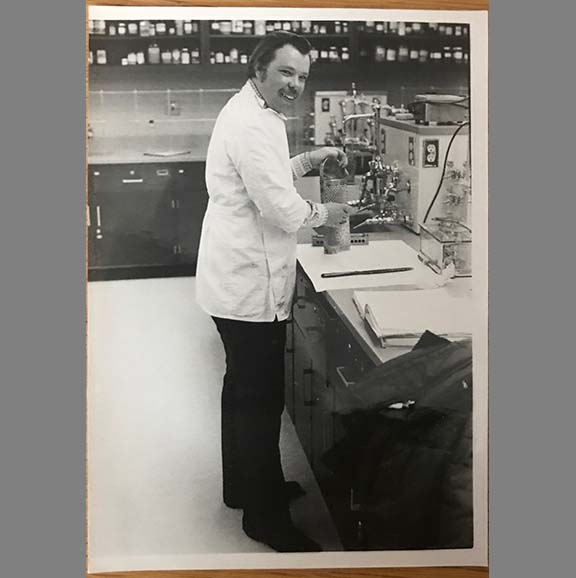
{"x":155,"y":366}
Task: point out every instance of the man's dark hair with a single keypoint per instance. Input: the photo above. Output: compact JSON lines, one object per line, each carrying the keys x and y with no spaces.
{"x":264,"y":53}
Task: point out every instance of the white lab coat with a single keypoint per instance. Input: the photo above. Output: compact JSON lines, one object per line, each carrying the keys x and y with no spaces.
{"x":247,"y":257}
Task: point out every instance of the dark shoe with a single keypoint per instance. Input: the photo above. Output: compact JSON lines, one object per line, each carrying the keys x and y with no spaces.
{"x":293,"y":490}
{"x":282,"y":538}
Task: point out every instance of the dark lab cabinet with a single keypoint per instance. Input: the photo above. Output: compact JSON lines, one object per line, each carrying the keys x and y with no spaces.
{"x":325,"y":358}
{"x":144,"y":219}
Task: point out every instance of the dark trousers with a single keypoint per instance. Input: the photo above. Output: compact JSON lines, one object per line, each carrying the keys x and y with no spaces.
{"x":252,"y":405}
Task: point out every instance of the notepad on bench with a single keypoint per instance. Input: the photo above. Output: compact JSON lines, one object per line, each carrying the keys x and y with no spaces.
{"x":399,"y":318}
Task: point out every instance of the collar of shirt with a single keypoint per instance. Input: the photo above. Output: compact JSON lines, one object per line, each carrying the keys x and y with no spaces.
{"x":261,"y":101}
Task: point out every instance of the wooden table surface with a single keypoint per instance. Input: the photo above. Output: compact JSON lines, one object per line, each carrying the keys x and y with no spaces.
{"x":428,"y":572}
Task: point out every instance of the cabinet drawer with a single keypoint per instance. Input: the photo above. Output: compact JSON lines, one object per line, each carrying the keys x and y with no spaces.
{"x":189,"y":177}
{"x":138,"y":177}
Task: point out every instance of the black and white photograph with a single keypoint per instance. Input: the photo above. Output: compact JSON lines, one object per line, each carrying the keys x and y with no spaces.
{"x":287,"y":295}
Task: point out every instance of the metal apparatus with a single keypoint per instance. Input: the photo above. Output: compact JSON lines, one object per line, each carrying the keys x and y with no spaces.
{"x":362,"y":136}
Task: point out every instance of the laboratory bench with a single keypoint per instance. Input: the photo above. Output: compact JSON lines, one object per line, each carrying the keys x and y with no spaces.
{"x":328,"y":349}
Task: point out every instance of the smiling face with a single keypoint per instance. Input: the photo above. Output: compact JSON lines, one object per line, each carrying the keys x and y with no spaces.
{"x":282,"y":83}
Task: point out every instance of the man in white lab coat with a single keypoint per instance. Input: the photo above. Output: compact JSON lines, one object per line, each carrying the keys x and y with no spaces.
{"x":246,"y":276}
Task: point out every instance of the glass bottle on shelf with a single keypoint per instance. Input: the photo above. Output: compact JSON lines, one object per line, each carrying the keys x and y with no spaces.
{"x":176,"y":56}
{"x":153,"y":54}
{"x":166,"y":56}
{"x":260,"y":28}
{"x":140,"y":58}
{"x":160,"y":28}
{"x":344,"y":27}
{"x":345,"y":54}
{"x":403,"y":53}
{"x":179,"y":25}
{"x":144,"y":28}
{"x":132,"y":28}
{"x":132,"y":58}
{"x":121,"y":29}
{"x":112,"y":30}
{"x":187,"y":28}
{"x":185,"y":56}
{"x":101,"y":56}
{"x":195,"y":56}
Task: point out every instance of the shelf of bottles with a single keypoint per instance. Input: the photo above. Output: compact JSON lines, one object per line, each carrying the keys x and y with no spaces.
{"x":154,"y":42}
{"x":232,"y":41}
{"x":416,"y":42}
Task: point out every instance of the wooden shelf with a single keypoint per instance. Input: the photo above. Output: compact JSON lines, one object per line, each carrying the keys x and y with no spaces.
{"x":132,"y":38}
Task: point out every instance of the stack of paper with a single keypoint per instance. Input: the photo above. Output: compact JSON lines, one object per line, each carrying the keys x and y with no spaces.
{"x":400,"y":317}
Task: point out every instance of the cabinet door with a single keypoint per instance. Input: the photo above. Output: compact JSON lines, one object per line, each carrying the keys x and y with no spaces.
{"x":136,"y":215}
{"x":303,"y":377}
{"x":192,"y":200}
{"x":289,"y":367}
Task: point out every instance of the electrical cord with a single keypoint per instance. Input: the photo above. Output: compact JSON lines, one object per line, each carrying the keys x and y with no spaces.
{"x":443,"y":171}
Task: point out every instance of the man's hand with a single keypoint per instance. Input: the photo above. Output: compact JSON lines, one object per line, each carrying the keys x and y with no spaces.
{"x":337,"y":214}
{"x":318,"y":156}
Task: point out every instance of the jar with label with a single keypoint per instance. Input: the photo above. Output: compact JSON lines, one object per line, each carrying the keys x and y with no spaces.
{"x":140,"y":59}
{"x":172,"y":31}
{"x":457,"y":54}
{"x":215,"y":27}
{"x":333,"y":55}
{"x":166,"y":56}
{"x":323,"y":29}
{"x":344,"y":27}
{"x":380,"y":54}
{"x":132,"y":28}
{"x":416,"y":28}
{"x":260,"y":28}
{"x":401,"y":28}
{"x":408,"y":28}
{"x":227,"y":59}
{"x":306,"y":26}
{"x":314,"y":55}
{"x":447,"y":54}
{"x":124,"y":62}
{"x":238,"y":26}
{"x":269,"y":26}
{"x":160,"y":28}
{"x":379,"y":26}
{"x":101,"y":56}
{"x":345,"y":54}
{"x":112,"y":30}
{"x":449,"y":30}
{"x":277,"y":25}
{"x":315,"y":28}
{"x":195,"y":56}
{"x":442,"y":29}
{"x":185,"y":56}
{"x":391,"y":55}
{"x":286,"y":26}
{"x":403,"y":53}
{"x":423,"y":55}
{"x":212,"y":58}
{"x":179,"y":25}
{"x":153,"y":54}
{"x":295,"y":26}
{"x":132,"y":59}
{"x":393,"y":27}
{"x":152,"y":29}
{"x":413,"y":55}
{"x":175,"y":56}
{"x":234,"y":56}
{"x":144,"y":28}
{"x":220,"y":58}
{"x":323,"y":55}
{"x":243,"y":59}
{"x":187,"y":27}
{"x":100,"y":26}
{"x":457,"y":30}
{"x":226,"y":27}
{"x":121,"y":28}
{"x":248,"y":28}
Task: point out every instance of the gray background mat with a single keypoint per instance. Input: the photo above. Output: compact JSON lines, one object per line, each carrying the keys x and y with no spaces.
{"x":42,"y":291}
